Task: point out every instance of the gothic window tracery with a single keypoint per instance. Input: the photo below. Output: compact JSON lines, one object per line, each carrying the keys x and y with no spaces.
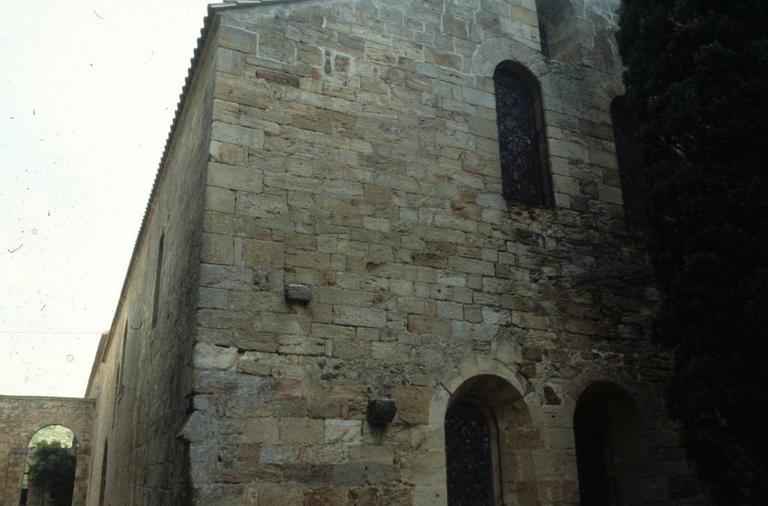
{"x":525,"y":178}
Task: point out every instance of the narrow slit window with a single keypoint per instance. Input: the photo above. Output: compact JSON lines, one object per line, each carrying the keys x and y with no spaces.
{"x":522,"y":144}
{"x":116,"y":396}
{"x":121,"y":382}
{"x":630,"y":163}
{"x":158,"y":274}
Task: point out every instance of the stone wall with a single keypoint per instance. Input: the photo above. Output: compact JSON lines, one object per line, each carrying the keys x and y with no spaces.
{"x":351,"y":146}
{"x":142,"y":378}
{"x":354,"y":149}
{"x":21,"y":418}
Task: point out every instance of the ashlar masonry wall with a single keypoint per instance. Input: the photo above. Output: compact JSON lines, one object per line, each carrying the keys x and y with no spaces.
{"x":354,"y":149}
{"x":142,"y":376}
{"x":21,"y":418}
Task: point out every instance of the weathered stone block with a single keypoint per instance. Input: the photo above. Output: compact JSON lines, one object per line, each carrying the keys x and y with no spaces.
{"x":250,"y":138}
{"x":263,"y":254}
{"x":234,"y":178}
{"x":412,"y":403}
{"x":214,"y":357}
{"x":326,"y":496}
{"x":343,"y":431}
{"x":302,"y":430}
{"x":239,"y":39}
{"x":217,"y":249}
{"x":359,"y":317}
{"x":220,"y":199}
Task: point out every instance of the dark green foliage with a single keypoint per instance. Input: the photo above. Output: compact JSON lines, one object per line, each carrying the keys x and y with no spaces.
{"x":697,"y":79}
{"x":52,"y":467}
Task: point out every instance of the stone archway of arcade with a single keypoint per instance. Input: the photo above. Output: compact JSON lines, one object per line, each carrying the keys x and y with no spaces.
{"x":21,"y":418}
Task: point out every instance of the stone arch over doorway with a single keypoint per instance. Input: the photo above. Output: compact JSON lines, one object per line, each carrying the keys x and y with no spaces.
{"x":510,"y":410}
{"x":493,"y":404}
{"x":21,"y":418}
{"x":645,"y":450}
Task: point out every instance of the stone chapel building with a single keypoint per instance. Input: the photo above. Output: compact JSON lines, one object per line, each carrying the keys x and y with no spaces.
{"x":389,"y":259}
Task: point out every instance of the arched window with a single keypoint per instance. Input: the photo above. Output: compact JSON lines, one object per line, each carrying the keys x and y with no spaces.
{"x":630,"y":163}
{"x":522,"y":144}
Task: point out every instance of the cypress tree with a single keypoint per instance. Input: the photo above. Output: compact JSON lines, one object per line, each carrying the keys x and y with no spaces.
{"x":697,"y":82}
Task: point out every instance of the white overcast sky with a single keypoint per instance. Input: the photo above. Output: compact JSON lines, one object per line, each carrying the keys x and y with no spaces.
{"x":88,"y":89}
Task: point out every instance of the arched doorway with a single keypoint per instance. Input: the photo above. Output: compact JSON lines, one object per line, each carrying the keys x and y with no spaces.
{"x":49,"y":471}
{"x":488,"y":443}
{"x":610,"y":457}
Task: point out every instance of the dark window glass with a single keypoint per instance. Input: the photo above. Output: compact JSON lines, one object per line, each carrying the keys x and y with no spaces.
{"x":597,"y":487}
{"x":468,"y":456}
{"x":630,"y":164}
{"x":522,"y":151}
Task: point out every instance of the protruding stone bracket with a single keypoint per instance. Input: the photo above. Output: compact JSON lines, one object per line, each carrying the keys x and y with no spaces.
{"x":381,"y":411}
{"x":298,"y":294}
